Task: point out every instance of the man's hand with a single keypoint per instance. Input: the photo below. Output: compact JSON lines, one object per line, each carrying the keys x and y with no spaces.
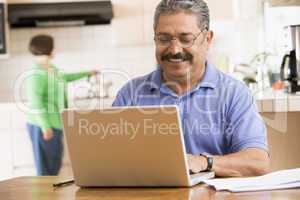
{"x":196,"y":163}
{"x":48,"y":134}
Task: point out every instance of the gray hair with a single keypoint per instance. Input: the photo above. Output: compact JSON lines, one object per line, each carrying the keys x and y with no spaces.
{"x":198,"y":7}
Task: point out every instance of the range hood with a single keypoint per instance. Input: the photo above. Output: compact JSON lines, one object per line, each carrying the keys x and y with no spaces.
{"x":284,"y":2}
{"x":38,"y":14}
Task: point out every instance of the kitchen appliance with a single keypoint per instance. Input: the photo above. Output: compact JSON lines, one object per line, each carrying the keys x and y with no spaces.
{"x":42,"y":13}
{"x":98,"y":88}
{"x":94,"y":87}
{"x":290,"y":66}
{"x":3,"y":45}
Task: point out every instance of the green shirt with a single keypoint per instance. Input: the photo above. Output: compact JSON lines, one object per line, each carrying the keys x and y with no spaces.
{"x":47,"y":95}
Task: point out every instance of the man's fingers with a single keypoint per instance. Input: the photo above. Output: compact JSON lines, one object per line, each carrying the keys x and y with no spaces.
{"x":194,"y":170}
{"x":191,"y":164}
{"x":195,"y":164}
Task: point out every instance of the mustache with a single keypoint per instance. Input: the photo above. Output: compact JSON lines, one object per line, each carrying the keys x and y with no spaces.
{"x":183,"y":56}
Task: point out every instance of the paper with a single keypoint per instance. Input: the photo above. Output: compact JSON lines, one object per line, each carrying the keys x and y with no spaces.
{"x":269,"y":181}
{"x":263,"y":188}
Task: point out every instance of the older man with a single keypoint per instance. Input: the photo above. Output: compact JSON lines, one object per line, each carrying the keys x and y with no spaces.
{"x":223,"y":131}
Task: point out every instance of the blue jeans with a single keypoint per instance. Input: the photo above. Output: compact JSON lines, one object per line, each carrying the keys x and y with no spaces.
{"x":47,"y":154}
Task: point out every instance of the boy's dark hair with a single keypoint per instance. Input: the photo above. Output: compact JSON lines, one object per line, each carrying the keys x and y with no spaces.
{"x":41,"y":45}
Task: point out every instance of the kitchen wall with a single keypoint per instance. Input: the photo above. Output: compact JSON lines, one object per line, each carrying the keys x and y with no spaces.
{"x":276,"y":18}
{"x":77,"y":48}
{"x":127,"y":44}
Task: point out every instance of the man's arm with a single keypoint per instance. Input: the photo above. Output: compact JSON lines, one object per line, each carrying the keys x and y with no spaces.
{"x":248,"y":162}
{"x":245,"y":137}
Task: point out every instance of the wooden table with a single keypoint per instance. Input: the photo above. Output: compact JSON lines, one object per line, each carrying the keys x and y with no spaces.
{"x":40,"y":188}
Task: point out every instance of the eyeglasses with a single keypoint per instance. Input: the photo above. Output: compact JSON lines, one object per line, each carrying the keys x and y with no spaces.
{"x":185,"y":40}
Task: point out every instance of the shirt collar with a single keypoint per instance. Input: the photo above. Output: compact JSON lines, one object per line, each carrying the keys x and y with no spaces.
{"x":155,"y":80}
{"x":209,"y":80}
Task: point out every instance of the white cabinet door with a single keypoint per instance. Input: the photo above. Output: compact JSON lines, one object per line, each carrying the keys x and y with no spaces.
{"x":23,"y":162}
{"x":5,"y":156}
{"x":22,"y":149}
{"x":5,"y":144}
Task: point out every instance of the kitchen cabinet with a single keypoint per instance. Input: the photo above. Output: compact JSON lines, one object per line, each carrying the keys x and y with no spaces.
{"x":6,"y":169}
{"x":16,"y":156}
{"x":6,"y":159}
{"x":15,"y":146}
{"x":280,"y":116}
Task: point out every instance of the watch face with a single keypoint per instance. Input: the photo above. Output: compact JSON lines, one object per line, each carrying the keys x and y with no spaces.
{"x":209,"y":159}
{"x":210,"y":162}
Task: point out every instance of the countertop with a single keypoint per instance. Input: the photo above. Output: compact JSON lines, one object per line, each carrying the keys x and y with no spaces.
{"x":267,"y":101}
{"x":271,"y":100}
{"x":28,"y":188}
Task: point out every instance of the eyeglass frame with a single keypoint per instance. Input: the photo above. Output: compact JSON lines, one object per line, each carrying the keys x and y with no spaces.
{"x":176,"y":38}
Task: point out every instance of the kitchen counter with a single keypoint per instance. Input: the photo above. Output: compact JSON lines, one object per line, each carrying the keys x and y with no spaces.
{"x":277,"y":101}
{"x":279,"y":111}
{"x":267,"y":101}
{"x":91,"y":103}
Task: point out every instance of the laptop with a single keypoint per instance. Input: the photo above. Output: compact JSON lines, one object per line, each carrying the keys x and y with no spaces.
{"x":128,"y":147}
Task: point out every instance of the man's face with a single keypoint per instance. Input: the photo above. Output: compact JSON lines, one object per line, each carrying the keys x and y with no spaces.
{"x":181,"y":25}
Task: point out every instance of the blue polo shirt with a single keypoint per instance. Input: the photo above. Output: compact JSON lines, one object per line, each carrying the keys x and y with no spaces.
{"x":219,"y":115}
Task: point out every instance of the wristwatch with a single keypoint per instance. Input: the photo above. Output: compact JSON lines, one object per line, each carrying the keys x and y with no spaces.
{"x":210,"y":161}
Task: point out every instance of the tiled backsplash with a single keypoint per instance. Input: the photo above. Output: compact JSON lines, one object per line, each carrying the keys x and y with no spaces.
{"x":77,"y":48}
{"x":126,"y":45}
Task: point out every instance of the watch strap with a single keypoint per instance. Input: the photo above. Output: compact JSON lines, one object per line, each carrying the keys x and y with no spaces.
{"x":210,"y":161}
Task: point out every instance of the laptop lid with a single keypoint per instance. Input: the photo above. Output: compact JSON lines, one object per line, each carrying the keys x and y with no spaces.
{"x":126,"y":146}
